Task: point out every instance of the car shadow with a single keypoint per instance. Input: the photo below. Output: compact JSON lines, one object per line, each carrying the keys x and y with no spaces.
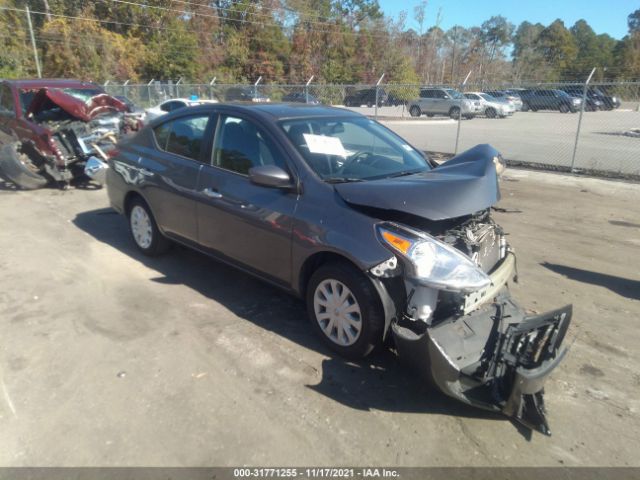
{"x":624,"y":287}
{"x":378,"y":382}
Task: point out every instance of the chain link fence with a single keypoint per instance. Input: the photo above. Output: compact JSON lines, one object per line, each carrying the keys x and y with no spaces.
{"x":592,"y":128}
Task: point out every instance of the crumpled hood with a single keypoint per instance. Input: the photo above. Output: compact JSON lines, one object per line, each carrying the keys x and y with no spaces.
{"x":461,"y":186}
{"x":46,"y":98}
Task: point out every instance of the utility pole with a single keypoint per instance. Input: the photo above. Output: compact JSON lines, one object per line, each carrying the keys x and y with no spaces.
{"x":33,"y":42}
{"x":453,"y":59}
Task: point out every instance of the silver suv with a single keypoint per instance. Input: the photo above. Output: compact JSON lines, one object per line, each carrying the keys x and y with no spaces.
{"x":443,"y":101}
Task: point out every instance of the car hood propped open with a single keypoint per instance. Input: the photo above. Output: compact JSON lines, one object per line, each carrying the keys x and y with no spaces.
{"x":75,"y":107}
{"x":461,"y":186}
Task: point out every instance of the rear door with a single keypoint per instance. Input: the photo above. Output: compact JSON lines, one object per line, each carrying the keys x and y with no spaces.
{"x":171,"y":172}
{"x":426,"y":100}
{"x":246,"y":223}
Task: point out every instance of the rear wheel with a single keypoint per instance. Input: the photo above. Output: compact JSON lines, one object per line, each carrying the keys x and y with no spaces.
{"x":564,"y":108}
{"x":415,"y":111}
{"x":144,"y":230}
{"x":525,"y":107}
{"x":345,"y":309}
{"x":454,"y":113}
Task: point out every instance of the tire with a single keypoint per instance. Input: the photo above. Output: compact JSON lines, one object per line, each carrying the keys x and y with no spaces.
{"x":454,"y":112}
{"x":365,"y":327}
{"x":430,"y":115}
{"x":491,"y":112}
{"x":525,"y":107}
{"x":415,"y":111}
{"x":564,"y":108}
{"x":138,"y":214}
{"x":18,"y":168}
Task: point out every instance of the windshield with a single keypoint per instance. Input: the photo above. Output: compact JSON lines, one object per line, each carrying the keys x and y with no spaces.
{"x":453,"y":93}
{"x":352,"y":149}
{"x":83,"y":94}
{"x":488,"y":97}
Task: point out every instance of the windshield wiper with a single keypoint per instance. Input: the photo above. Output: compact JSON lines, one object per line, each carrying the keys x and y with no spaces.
{"x":343,"y":180}
{"x":404,"y":174}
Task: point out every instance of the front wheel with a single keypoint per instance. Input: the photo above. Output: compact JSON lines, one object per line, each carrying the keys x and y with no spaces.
{"x":491,"y":112}
{"x":144,"y":230}
{"x":454,"y":113}
{"x":345,"y":310}
{"x":564,"y":108}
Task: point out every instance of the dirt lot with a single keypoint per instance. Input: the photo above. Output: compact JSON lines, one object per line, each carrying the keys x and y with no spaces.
{"x":108,"y":358}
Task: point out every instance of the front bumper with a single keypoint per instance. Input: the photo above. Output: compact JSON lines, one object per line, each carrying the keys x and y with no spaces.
{"x":496,"y":357}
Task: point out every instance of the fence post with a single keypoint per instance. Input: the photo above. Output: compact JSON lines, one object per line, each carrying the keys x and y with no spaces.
{"x":584,"y":101}
{"x":211,"y":84}
{"x":255,"y":87}
{"x":177,"y":95}
{"x":124,"y":88}
{"x":306,"y":89}
{"x":377,"y":90}
{"x":455,"y":152}
{"x":33,"y":42}
{"x":149,"y":90}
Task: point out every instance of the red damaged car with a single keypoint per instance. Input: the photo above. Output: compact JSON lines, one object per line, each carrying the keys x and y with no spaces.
{"x":49,"y":129}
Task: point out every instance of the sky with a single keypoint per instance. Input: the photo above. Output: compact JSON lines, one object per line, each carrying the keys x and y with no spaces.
{"x":608,"y":16}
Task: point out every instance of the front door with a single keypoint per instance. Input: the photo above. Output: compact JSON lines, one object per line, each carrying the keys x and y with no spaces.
{"x":244,"y":222}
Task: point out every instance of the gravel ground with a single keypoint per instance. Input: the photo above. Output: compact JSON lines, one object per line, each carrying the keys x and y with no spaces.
{"x":108,"y":358}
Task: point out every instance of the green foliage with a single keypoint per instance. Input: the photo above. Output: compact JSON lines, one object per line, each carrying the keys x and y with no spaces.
{"x":336,"y":41}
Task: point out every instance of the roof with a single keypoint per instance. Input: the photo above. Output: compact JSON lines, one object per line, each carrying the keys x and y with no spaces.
{"x":51,"y":82}
{"x":281,"y":111}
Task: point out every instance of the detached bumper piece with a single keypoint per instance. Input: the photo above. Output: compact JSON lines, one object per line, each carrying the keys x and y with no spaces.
{"x":496,"y":358}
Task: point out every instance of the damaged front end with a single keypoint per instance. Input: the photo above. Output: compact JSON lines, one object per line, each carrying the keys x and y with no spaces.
{"x":68,"y":132}
{"x":452,"y":314}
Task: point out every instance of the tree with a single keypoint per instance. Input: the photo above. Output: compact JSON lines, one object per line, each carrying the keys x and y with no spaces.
{"x":528,"y":62}
{"x":173,"y":52}
{"x":558,"y":48}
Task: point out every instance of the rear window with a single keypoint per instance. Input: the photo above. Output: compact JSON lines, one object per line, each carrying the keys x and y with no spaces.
{"x":183,"y":136}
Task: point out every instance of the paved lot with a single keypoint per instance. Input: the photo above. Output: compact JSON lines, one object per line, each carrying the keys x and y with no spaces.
{"x":107,"y":358}
{"x":538,"y":137}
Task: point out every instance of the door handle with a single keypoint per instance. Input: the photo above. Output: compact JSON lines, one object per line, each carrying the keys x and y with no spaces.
{"x":209,"y":192}
{"x":146,"y":173}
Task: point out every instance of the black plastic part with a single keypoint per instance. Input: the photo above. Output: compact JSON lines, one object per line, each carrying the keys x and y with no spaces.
{"x":496,"y":358}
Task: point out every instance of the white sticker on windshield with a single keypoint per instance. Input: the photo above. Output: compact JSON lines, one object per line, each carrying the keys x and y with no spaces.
{"x":325,"y":145}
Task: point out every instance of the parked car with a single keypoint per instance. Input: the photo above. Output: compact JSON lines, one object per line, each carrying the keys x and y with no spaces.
{"x":610,"y":101}
{"x":245,"y":94}
{"x":301,"y":97}
{"x":508,"y":95}
{"x":365,"y":96}
{"x":491,"y":106}
{"x":542,"y":99}
{"x":396,"y":99}
{"x":132,"y":110}
{"x":49,"y":129}
{"x":593,"y":101}
{"x":380,"y":241}
{"x":443,"y":101}
{"x":173,"y":104}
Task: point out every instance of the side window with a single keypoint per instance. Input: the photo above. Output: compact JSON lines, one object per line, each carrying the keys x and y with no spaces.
{"x":426,"y":94}
{"x":183,"y":136}
{"x":240,"y":145}
{"x":439,"y":94}
{"x":6,"y":100}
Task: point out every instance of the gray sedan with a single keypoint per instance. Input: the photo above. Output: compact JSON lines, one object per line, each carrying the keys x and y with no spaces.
{"x":492,"y":107}
{"x":377,"y":239}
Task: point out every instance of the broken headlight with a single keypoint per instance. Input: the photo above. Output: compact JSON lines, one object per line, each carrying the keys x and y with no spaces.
{"x":434,"y":264}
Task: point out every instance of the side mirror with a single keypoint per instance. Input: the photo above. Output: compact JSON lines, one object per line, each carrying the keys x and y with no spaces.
{"x":270,"y":176}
